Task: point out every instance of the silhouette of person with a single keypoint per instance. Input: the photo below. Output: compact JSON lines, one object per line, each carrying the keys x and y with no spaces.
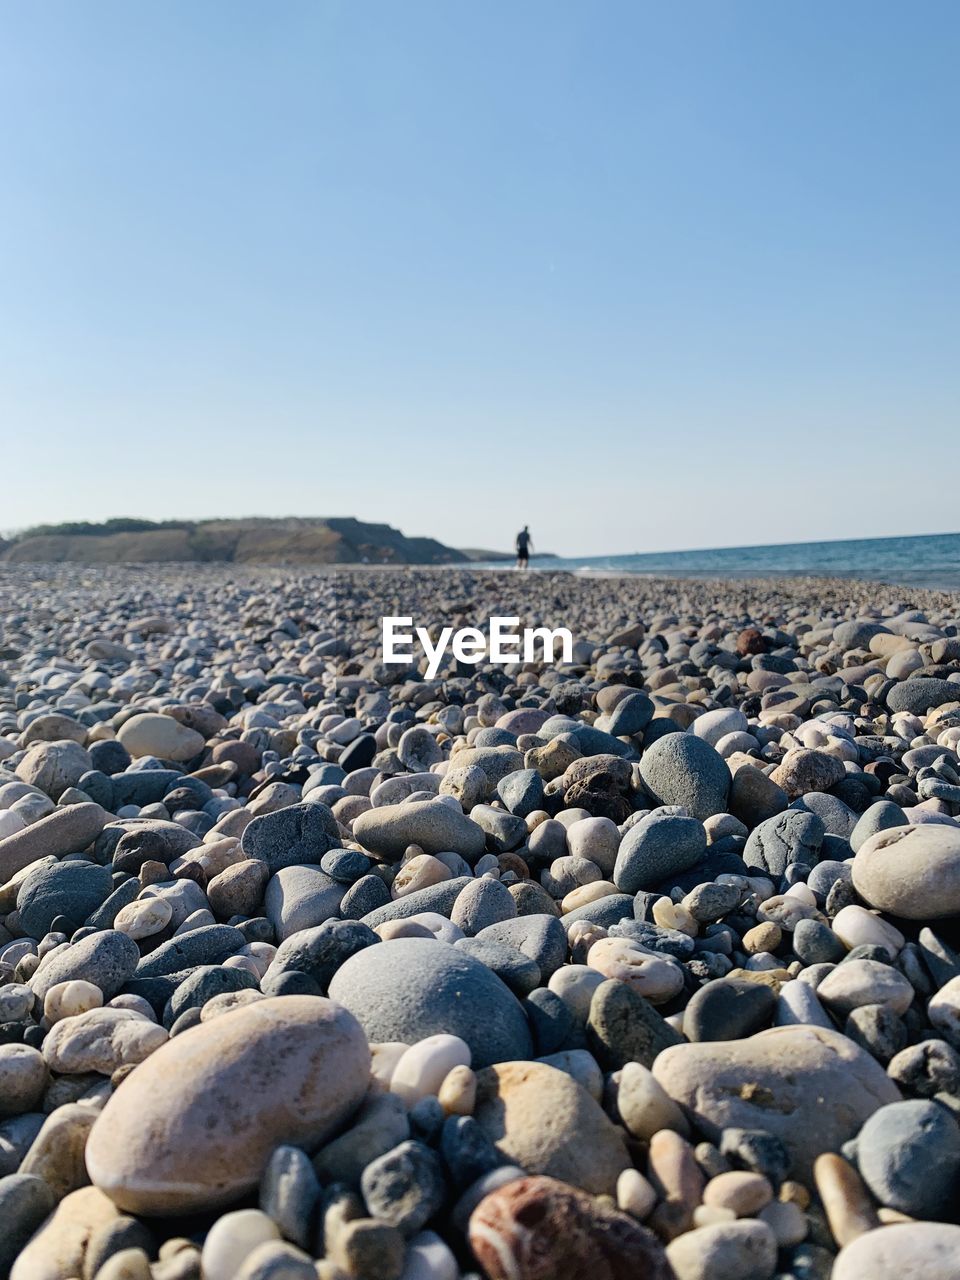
{"x":524,"y":547}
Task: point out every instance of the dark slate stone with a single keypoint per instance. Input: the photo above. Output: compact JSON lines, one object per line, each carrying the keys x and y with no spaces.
{"x":921,"y":695}
{"x":364,"y":895}
{"x":290,"y":983}
{"x":436,"y":897}
{"x":69,"y":889}
{"x":150,"y":840}
{"x":345,"y":865}
{"x":519,"y":972}
{"x":210,"y":944}
{"x":467,"y":1151}
{"x":816,"y":943}
{"x":656,"y":848}
{"x":791,"y":836}
{"x":25,"y":1201}
{"x":98,"y":787}
{"x":728,"y":1009}
{"x":623,"y":1027}
{"x":301,"y":833}
{"x":405,"y":1187}
{"x":521,"y":792}
{"x":838,"y":818}
{"x":604,"y":912}
{"x":713,"y":865}
{"x":541,"y":937}
{"x":908,"y":1154}
{"x":550,"y":1021}
{"x":142,"y":786}
{"x":359,"y":753}
{"x":110,"y":756}
{"x":685,"y":770}
{"x":202,"y":985}
{"x":631,"y":715}
{"x":321,"y":951}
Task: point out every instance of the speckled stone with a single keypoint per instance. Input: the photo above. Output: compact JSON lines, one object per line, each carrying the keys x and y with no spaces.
{"x":809,"y":1087}
{"x":540,"y":1228}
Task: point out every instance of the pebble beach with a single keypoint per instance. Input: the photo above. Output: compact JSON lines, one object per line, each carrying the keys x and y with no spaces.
{"x":641,"y":966}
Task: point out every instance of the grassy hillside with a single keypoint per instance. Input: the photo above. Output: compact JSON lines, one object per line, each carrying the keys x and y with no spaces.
{"x":341,"y":540}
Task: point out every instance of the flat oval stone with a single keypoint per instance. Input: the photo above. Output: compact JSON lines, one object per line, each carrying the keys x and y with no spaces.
{"x":909,"y":1156}
{"x":724,"y":1251}
{"x":208,"y":944}
{"x":301,"y":897}
{"x":149,"y":734}
{"x":434,"y":825}
{"x":296,"y":835}
{"x":657,"y":847}
{"x":728,"y":1009}
{"x":919,"y":695}
{"x":25,"y":1200}
{"x":411,"y":988}
{"x":194,"y":1126}
{"x":68,"y":830}
{"x":809,"y":1087}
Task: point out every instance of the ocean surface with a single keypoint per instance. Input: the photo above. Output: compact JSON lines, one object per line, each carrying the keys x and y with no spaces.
{"x":926,"y":561}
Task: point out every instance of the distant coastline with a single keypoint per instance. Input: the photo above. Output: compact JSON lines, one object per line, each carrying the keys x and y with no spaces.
{"x":930,"y":560}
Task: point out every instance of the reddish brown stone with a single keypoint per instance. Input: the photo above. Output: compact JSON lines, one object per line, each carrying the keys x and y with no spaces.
{"x":751,"y":641}
{"x":542,"y":1229}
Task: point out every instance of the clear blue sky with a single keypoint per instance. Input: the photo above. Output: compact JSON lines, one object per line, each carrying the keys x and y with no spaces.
{"x":646,"y":276}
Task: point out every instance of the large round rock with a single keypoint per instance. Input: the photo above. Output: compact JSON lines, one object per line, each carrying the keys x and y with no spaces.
{"x":412,"y":988}
{"x":683,"y":769}
{"x":809,"y":1087}
{"x":192,"y":1127}
{"x":912,"y":872}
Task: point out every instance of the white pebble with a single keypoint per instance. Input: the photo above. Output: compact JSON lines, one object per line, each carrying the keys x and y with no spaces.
{"x":67,"y":999}
{"x":231,"y":1238}
{"x":143,"y":918}
{"x":422,"y":1069}
{"x":856,"y":926}
{"x":635,"y":1195}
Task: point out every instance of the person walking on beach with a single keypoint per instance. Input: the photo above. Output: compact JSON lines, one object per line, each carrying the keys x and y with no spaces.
{"x":524,"y":546}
